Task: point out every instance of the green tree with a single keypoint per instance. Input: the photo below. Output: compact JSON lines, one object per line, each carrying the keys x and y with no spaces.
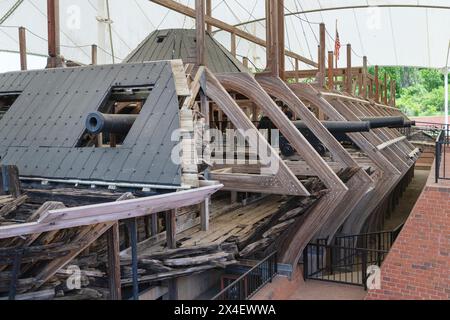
{"x":431,"y":79}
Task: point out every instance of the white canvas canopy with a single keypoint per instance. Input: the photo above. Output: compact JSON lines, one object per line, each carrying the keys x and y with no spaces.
{"x":395,"y":33}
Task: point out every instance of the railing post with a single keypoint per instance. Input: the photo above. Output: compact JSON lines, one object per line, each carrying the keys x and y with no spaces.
{"x":364,"y":268}
{"x":438,"y":157}
{"x":331,"y":260}
{"x":132,"y":229}
{"x":305,"y":263}
{"x":276,"y":262}
{"x":317,"y":256}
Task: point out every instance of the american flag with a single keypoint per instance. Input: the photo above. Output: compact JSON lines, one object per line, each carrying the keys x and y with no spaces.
{"x":337,"y":45}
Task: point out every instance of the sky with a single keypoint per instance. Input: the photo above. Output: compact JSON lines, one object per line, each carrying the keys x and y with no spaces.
{"x":11,"y":62}
{"x":388,"y":36}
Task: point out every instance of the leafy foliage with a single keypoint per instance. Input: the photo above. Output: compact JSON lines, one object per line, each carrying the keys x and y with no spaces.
{"x":420,"y":92}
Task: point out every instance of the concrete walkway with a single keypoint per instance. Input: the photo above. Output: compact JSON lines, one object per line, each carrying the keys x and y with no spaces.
{"x":297,"y":289}
{"x":408,"y":200}
{"x":319,"y":290}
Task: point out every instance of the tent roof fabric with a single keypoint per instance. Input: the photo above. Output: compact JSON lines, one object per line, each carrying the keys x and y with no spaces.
{"x":42,"y":129}
{"x":388,"y":32}
{"x":181,"y":44}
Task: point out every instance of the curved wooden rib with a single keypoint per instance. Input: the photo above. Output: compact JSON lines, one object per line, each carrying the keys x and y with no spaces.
{"x":359,"y":185}
{"x":389,"y":172}
{"x":337,"y":200}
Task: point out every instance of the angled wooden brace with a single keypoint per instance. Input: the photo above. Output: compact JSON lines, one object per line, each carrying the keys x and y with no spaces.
{"x":284,"y":181}
{"x":246,"y":85}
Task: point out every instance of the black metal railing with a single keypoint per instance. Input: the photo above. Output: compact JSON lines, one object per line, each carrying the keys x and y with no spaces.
{"x":422,"y":131}
{"x":442,"y":144}
{"x":247,"y":285}
{"x":346,"y":258}
{"x":376,"y":240}
{"x":340,"y":264}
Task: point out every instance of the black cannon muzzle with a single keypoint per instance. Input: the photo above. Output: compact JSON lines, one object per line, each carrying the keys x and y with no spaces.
{"x":386,"y":122}
{"x":98,"y":122}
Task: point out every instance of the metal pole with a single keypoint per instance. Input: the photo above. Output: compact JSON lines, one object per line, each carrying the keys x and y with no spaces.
{"x":446,"y":96}
{"x":101,"y":31}
{"x":132,"y":229}
{"x":110,"y":32}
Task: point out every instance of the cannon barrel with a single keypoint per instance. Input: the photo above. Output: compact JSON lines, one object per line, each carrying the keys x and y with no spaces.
{"x":385,"y":122}
{"x":98,"y":122}
{"x":406,"y":124}
{"x":339,"y":126}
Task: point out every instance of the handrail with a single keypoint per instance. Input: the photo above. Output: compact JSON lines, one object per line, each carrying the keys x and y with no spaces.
{"x":442,"y":142}
{"x":346,"y":258}
{"x":248,"y":273}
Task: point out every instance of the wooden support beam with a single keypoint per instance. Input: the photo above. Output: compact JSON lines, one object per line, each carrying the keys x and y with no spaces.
{"x":204,"y":215}
{"x":377,"y":85}
{"x":171,"y":229}
{"x":385,"y":96}
{"x":311,"y":73}
{"x":349,"y":76}
{"x":200,"y":31}
{"x":113,"y":246}
{"x":364,"y":78}
{"x":233,"y":45}
{"x":154,"y":224}
{"x":173,"y":289}
{"x":390,"y":143}
{"x":94,"y":54}
{"x":23,"y":48}
{"x":330,"y":70}
{"x":273,"y":42}
{"x":54,"y":48}
{"x":322,"y":50}
{"x":251,"y":183}
{"x":392,"y":98}
{"x":281,"y":39}
{"x":234,"y":196}
{"x":182,"y":9}
{"x":209,"y":14}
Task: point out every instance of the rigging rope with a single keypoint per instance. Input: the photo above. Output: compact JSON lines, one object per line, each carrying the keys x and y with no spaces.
{"x":15,"y":6}
{"x":45,"y":40}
